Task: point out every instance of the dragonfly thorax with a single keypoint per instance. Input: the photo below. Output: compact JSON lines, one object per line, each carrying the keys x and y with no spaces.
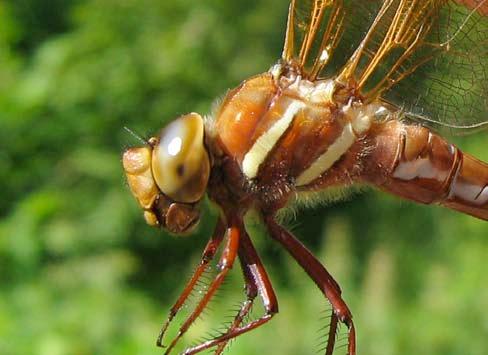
{"x":285,"y":132}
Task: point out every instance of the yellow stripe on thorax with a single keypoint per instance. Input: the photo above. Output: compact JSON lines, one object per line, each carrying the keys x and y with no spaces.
{"x":359,"y":122}
{"x":265,"y":143}
{"x":327,"y":159}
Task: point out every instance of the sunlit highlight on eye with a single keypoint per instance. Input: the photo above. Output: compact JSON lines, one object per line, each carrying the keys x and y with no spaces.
{"x":174,"y":147}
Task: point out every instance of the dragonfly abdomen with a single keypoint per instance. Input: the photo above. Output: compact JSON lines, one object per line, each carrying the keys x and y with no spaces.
{"x":422,"y":166}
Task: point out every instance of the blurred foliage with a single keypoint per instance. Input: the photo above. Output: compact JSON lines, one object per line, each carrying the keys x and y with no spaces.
{"x":82,"y":274}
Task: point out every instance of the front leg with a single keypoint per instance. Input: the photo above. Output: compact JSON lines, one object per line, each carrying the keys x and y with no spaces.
{"x":226,"y":262}
{"x":257,"y":282}
{"x":322,"y":279}
{"x":207,"y":257}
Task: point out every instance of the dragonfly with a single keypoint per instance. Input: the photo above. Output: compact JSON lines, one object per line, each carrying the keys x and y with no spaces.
{"x":362,"y":95}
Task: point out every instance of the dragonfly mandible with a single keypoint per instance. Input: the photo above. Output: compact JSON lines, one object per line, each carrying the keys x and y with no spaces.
{"x":332,"y":113}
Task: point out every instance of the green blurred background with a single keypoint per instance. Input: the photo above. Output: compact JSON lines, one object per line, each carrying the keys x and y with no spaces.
{"x":80,"y":271}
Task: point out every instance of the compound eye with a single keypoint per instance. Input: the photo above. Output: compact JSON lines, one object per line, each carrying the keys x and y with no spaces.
{"x":180,"y":162}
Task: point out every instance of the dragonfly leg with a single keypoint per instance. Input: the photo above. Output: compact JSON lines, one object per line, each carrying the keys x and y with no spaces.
{"x":251,"y":290}
{"x":207,"y":257}
{"x":226,"y":262}
{"x":257,"y":282}
{"x":322,"y":279}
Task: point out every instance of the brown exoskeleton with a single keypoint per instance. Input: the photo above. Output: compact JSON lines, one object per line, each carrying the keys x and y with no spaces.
{"x":298,"y":130}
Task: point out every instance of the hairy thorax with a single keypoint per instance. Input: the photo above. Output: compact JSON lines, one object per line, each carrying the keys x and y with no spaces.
{"x":281,"y":135}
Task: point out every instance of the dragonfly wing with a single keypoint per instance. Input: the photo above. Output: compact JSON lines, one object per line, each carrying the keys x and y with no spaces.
{"x":314,"y":31}
{"x":429,"y":57}
{"x":451,"y":90}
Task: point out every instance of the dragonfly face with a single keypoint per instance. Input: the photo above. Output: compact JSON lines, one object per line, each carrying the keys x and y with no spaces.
{"x":169,"y":177}
{"x":352,"y":101}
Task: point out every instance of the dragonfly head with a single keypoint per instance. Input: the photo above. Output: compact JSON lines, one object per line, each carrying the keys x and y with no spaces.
{"x":169,"y":176}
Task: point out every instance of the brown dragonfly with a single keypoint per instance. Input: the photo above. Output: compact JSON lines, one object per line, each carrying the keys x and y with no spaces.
{"x":360,"y":90}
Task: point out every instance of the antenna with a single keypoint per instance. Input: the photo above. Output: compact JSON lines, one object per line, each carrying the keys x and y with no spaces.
{"x":136,"y":136}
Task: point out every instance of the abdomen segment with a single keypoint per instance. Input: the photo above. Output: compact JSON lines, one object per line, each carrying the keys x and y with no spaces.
{"x":416,"y":164}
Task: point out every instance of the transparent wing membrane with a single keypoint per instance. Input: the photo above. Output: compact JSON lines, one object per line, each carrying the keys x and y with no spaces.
{"x":313,"y":32}
{"x":480,"y":6}
{"x":427,"y":57}
{"x":387,"y":52}
{"x":451,"y":90}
